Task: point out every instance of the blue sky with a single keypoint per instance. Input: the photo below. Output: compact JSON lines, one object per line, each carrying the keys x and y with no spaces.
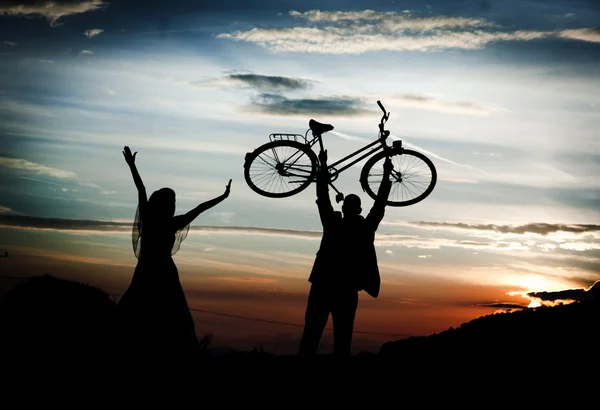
{"x":502,"y":96}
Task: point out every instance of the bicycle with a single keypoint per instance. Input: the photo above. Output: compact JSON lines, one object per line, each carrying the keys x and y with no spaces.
{"x":288,"y":165}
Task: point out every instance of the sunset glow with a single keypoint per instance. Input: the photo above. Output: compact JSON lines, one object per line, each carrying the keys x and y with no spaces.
{"x":503,"y":97}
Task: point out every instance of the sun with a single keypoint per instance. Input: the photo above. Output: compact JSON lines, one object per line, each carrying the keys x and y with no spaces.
{"x":533,"y":283}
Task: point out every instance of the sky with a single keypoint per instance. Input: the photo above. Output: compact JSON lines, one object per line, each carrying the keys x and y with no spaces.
{"x":502,"y":96}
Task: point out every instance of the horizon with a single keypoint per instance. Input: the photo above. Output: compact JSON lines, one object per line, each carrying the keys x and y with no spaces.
{"x":503,"y":97}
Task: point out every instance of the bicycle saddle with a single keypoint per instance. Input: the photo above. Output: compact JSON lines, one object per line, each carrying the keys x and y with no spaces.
{"x":318,"y":128}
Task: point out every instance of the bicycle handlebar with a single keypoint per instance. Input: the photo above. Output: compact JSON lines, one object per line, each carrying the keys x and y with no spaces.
{"x":384,"y":133}
{"x":385,"y":114}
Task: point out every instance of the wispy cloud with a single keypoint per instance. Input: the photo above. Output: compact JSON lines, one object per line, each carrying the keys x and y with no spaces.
{"x":225,"y":217}
{"x":5,"y":210}
{"x":249,"y":280}
{"x":86,"y":52}
{"x":434,"y":155}
{"x":343,"y":32}
{"x":427,"y":152}
{"x":556,"y":241}
{"x":275,"y":104}
{"x":382,"y":240}
{"x":536,"y":228}
{"x":51,"y":10}
{"x":24,"y":108}
{"x":22,"y":164}
{"x":584,"y":34}
{"x":37,"y":61}
{"x":93,"y":32}
{"x":10,"y":43}
{"x":450,"y":107}
{"x":256,"y":81}
{"x":500,"y":305}
{"x":392,"y":20}
{"x":22,"y":221}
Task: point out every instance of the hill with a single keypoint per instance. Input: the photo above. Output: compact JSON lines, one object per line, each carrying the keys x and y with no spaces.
{"x":565,"y":335}
{"x":47,"y":321}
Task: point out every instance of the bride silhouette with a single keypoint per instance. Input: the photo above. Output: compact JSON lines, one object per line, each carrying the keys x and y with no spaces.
{"x":156,"y":322}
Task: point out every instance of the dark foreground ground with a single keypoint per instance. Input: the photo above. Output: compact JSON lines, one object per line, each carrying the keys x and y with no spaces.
{"x":53,"y":327}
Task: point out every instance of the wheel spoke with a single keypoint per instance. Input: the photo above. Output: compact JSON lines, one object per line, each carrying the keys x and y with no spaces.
{"x":281,"y":168}
{"x":412,"y":177}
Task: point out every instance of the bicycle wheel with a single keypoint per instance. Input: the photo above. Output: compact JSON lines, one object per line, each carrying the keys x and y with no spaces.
{"x":413,"y":178}
{"x":280,"y":169}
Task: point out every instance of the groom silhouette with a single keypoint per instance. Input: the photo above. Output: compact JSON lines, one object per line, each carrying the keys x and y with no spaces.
{"x":346,"y":263}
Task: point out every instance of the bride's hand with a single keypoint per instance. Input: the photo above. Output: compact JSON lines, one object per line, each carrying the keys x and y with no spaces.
{"x":227,"y":189}
{"x":129,"y":158}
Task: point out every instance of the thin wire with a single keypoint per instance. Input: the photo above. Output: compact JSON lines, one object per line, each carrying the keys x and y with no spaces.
{"x":274,"y":322}
{"x":289,"y":324}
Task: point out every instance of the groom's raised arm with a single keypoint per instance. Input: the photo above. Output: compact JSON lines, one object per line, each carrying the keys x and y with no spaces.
{"x":323,"y":200}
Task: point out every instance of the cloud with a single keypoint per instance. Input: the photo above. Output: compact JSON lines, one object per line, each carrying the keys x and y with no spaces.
{"x":93,"y":32}
{"x":338,"y":32}
{"x":450,"y":107}
{"x":262,"y":82}
{"x":536,"y":228}
{"x":225,"y":217}
{"x":385,"y":241}
{"x":274,"y":104}
{"x":53,"y":11}
{"x":10,"y":43}
{"x":23,"y":221}
{"x":17,"y":163}
{"x":5,"y":210}
{"x":105,"y":192}
{"x":249,"y":280}
{"x":24,"y":108}
{"x":487,"y":154}
{"x":577,"y":295}
{"x":458,"y":180}
{"x":503,"y":305}
{"x":391,"y":21}
{"x":583,"y":34}
{"x":37,"y":60}
{"x":355,"y":32}
{"x":86,"y":52}
{"x":580,"y":246}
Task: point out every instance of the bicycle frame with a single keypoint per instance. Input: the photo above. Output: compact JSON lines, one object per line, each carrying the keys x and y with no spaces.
{"x":379,"y":143}
{"x":373,"y":147}
{"x":318,"y":138}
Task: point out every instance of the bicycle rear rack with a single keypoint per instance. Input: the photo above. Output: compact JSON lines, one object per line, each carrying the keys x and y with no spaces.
{"x":288,"y":137}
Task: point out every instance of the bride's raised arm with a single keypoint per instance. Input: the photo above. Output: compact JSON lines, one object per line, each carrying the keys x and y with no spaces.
{"x":130,"y":159}
{"x":180,"y":221}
